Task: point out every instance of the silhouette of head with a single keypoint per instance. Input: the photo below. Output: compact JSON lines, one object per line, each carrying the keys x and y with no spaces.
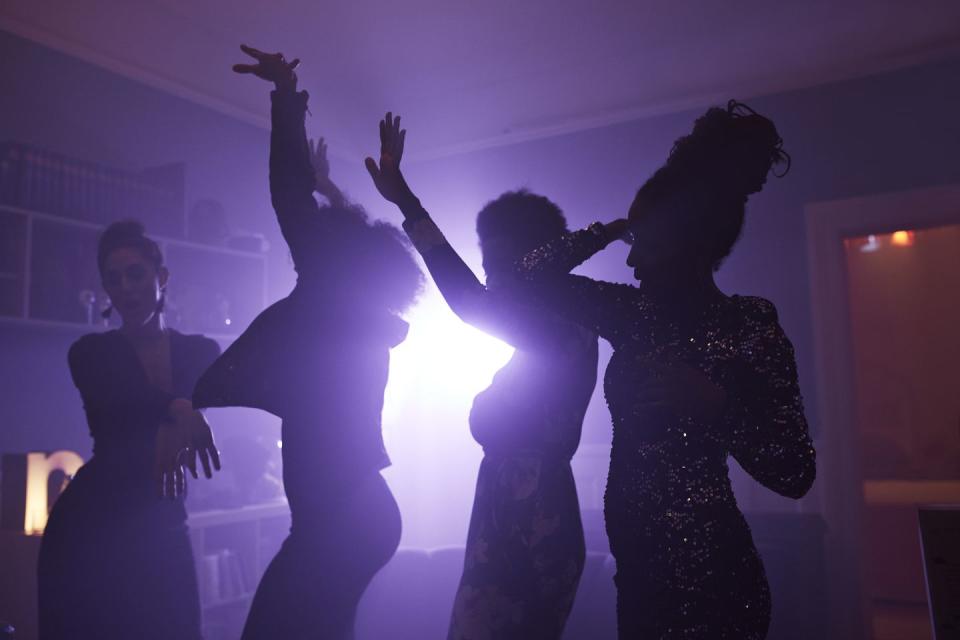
{"x":362,"y":263}
{"x":514,"y":224}
{"x":689,"y":214}
{"x":132,"y":271}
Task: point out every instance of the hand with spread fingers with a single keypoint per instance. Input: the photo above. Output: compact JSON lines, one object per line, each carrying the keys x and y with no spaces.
{"x":387,"y":176}
{"x":321,"y":171}
{"x":272,"y":67}
{"x":179,"y":444}
{"x":318,"y":158}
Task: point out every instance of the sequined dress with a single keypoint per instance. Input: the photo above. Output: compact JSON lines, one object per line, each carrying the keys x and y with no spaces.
{"x":687,"y":566}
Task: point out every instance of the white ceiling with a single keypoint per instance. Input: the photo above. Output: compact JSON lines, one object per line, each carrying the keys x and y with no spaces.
{"x":472,"y":74}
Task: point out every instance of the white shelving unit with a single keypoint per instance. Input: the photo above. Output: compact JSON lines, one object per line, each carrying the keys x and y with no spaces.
{"x":174,"y":250}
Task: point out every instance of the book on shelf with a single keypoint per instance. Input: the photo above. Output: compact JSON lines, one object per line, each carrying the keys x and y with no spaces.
{"x":47,"y":182}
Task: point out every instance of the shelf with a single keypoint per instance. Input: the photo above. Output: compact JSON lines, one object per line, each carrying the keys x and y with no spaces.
{"x":32,"y":323}
{"x":56,"y":260}
{"x":228,"y":602}
{"x":232,"y":548}
{"x":910,"y":493}
{"x":81,"y":328}
{"x":218,"y":517}
{"x":162,"y":240}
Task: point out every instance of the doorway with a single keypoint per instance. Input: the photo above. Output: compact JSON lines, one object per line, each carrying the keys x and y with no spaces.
{"x":885,"y":286}
{"x":904,"y":304}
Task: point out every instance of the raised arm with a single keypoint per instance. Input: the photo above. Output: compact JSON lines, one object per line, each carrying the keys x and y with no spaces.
{"x":770,"y":438}
{"x":292,"y":178}
{"x":603,"y":307}
{"x":495,"y":313}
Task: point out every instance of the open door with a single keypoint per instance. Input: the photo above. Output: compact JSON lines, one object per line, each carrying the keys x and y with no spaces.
{"x":886,"y":298}
{"x":904,"y":304}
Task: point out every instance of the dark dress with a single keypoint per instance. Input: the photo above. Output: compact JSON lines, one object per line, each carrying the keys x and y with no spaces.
{"x":686,"y":563}
{"x":319,"y":360}
{"x":115,"y":561}
{"x":525,"y":547}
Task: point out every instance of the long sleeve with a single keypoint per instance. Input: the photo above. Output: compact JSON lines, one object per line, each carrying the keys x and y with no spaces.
{"x":597,"y":305}
{"x":497,"y":313}
{"x":291,"y":174}
{"x":770,"y":438}
{"x":112,"y":392}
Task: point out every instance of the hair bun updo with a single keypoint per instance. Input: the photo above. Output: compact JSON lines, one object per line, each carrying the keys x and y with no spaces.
{"x":726,"y":138}
{"x":711,"y":172}
{"x":127,"y":234}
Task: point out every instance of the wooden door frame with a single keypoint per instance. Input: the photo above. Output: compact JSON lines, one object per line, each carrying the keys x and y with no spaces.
{"x":840,"y":479}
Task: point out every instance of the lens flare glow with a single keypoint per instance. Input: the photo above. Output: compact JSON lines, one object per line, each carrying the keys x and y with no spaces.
{"x":434,"y":376}
{"x":443,"y":359}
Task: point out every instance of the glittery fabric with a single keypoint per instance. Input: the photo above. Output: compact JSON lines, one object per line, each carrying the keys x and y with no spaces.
{"x":686,"y":563}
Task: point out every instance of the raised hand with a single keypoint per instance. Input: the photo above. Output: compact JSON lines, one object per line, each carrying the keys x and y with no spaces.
{"x":321,"y":172}
{"x":386,"y":175}
{"x":318,"y":158}
{"x":272,"y":67}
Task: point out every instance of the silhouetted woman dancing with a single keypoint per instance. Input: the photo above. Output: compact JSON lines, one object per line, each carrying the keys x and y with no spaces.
{"x":115,"y":561}
{"x":525,"y":547}
{"x":696,"y":375}
{"x":319,"y":360}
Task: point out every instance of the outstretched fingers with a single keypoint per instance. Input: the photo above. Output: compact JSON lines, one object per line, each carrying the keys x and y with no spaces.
{"x":395,"y":138}
{"x":256,"y":54}
{"x":205,"y":461}
{"x":400,"y":142}
{"x":264,"y":61}
{"x":214,"y":456}
{"x":372,"y":169}
{"x":188,"y":458}
{"x":392,"y":137}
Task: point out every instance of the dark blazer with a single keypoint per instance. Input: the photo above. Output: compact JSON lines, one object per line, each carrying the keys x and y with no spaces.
{"x":123,"y":409}
{"x":319,"y":358}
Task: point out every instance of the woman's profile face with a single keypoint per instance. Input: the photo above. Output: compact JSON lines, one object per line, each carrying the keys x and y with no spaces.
{"x":749,"y":168}
{"x":134,"y":284}
{"x":661,"y":241}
